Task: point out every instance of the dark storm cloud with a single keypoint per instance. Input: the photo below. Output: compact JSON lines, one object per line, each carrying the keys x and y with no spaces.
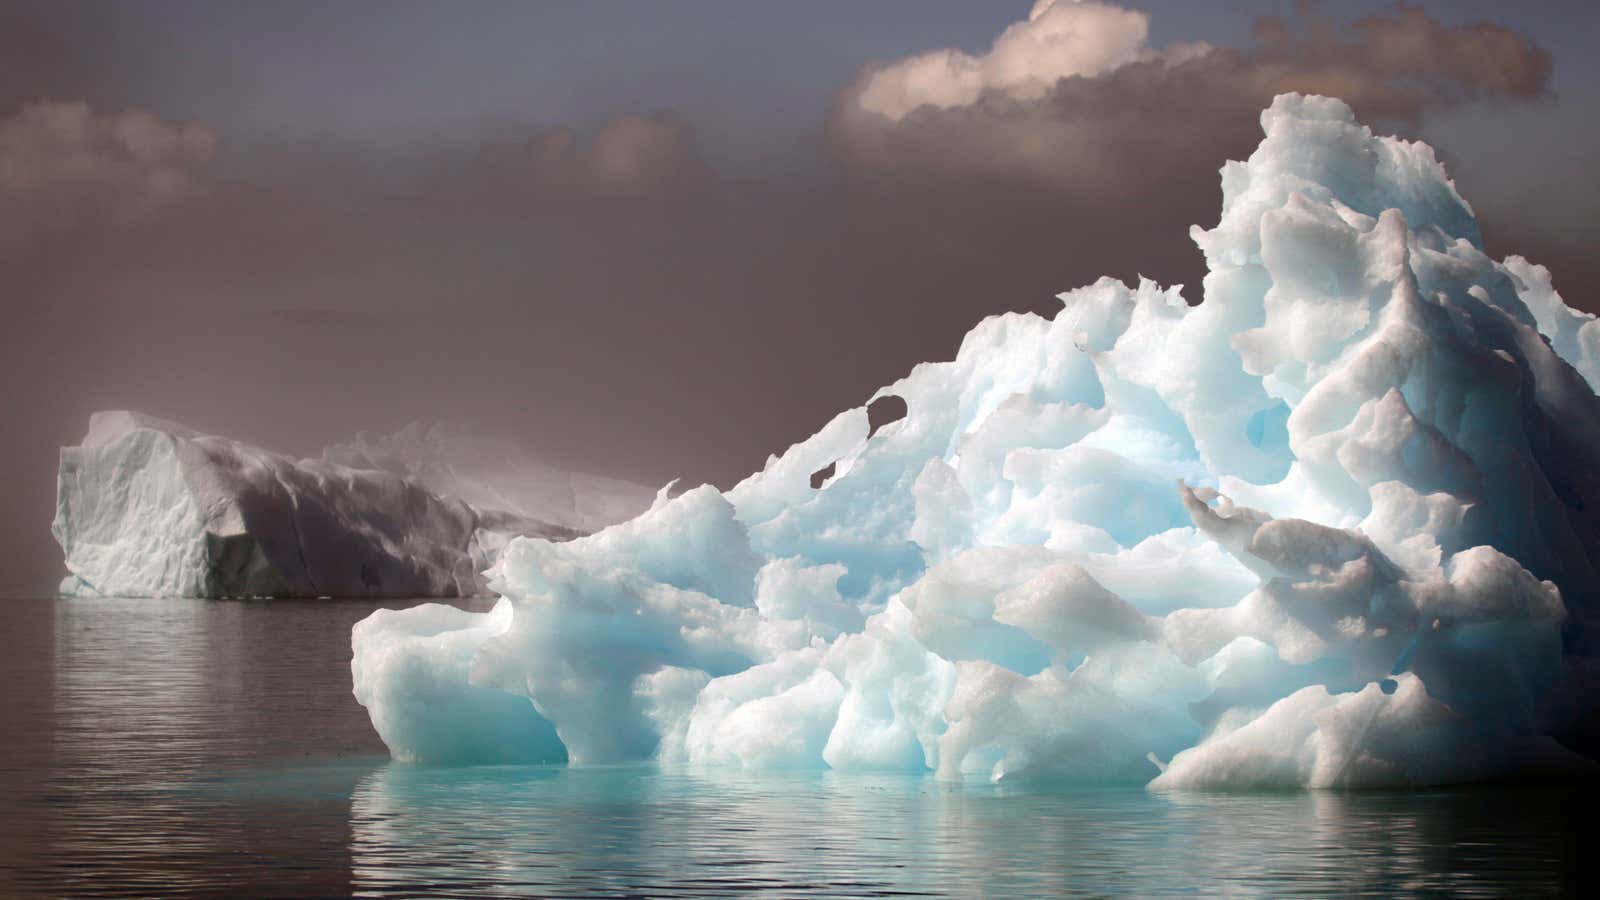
{"x":599,"y":291}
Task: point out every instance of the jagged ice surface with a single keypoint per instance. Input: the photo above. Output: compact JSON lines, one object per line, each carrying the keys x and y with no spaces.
{"x":1334,"y":526}
{"x":146,"y":507}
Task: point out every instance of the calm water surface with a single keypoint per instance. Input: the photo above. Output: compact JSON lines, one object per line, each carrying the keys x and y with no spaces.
{"x":206,"y":748}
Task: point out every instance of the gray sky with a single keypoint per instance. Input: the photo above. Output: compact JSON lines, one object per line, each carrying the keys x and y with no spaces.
{"x":654,"y":240}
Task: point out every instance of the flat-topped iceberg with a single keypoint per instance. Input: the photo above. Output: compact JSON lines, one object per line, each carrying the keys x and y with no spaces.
{"x":1336,"y":525}
{"x":146,"y":507}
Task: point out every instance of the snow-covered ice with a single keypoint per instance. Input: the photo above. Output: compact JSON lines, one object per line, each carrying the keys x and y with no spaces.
{"x":1334,"y":526}
{"x":146,"y":507}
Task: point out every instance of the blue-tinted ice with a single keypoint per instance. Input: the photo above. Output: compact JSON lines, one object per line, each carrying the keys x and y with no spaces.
{"x":1334,"y":526}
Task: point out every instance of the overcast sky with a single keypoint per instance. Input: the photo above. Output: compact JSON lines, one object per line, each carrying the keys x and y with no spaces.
{"x":662,"y":240}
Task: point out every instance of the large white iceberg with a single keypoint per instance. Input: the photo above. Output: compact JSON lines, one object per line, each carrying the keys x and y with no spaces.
{"x":1334,"y":526}
{"x":146,"y":507}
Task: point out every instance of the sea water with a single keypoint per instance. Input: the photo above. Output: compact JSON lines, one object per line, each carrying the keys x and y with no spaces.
{"x":212,"y":748}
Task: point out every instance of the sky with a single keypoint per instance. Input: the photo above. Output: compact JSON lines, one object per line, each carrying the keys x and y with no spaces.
{"x":663,"y":240}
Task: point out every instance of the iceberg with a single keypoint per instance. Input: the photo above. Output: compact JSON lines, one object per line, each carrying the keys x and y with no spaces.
{"x":1334,"y":526}
{"x":493,"y":473}
{"x":146,"y":507}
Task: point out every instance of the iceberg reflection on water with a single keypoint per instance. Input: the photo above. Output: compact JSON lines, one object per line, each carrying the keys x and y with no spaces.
{"x":651,"y":831}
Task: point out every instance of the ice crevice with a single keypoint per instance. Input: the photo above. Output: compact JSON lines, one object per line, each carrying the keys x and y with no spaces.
{"x":1334,"y":526}
{"x":299,"y":536}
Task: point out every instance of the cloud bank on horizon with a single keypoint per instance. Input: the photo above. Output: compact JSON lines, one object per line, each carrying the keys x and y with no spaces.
{"x":1075,"y":95}
{"x":1068,"y":96}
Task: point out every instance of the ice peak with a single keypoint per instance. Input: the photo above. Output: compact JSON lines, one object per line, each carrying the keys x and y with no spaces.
{"x":1331,"y":527}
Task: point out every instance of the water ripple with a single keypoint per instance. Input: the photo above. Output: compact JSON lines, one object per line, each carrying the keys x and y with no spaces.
{"x":212,"y":749}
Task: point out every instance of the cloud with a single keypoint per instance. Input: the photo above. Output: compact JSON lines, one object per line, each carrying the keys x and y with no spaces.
{"x":1060,"y":39}
{"x":62,"y":164}
{"x":628,"y":155}
{"x":1077,"y":98}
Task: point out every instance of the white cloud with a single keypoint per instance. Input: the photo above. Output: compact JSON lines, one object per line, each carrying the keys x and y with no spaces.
{"x":1060,"y":39}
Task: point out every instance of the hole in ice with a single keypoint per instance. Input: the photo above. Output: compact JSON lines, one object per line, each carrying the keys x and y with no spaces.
{"x":821,"y":476}
{"x":884,"y":410}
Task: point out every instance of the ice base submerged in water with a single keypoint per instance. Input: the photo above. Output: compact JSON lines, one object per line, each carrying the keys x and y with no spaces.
{"x":1334,"y":526}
